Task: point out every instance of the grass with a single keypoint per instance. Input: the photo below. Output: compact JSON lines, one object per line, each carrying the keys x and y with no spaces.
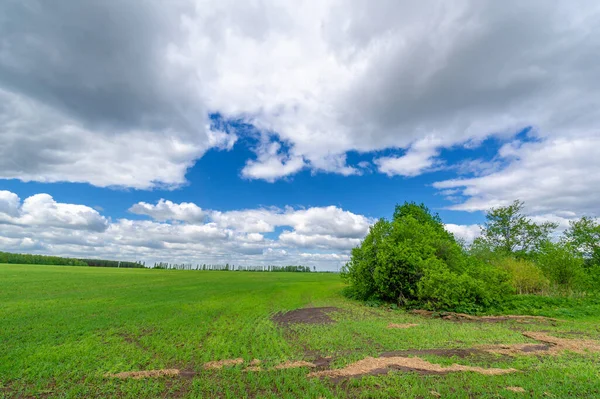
{"x":63,"y":328}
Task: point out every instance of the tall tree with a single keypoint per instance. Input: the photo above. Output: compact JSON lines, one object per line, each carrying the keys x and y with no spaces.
{"x":584,"y":235}
{"x":509,"y":231}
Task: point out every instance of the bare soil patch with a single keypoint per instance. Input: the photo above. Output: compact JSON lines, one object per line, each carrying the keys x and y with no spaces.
{"x":517,"y":349}
{"x":515,"y":389}
{"x":550,"y":345}
{"x":293,"y":365}
{"x":219,"y":364}
{"x":322,"y":363}
{"x":405,"y":325}
{"x":563,"y":344}
{"x":136,"y":375}
{"x":483,"y":319}
{"x":381,"y":365}
{"x":305,"y":316}
{"x":283,"y":366}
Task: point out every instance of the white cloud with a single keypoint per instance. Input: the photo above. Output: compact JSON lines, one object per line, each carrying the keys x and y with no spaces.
{"x":333,"y":256}
{"x":329,"y":220}
{"x":272,"y":165}
{"x":167,"y":210}
{"x":419,"y":158}
{"x":318,"y":241}
{"x":9,"y":204}
{"x":467,"y":233}
{"x":562,"y":221}
{"x":43,"y":211}
{"x":359,"y":79}
{"x":100,"y":99}
{"x":551,"y":176}
{"x":42,"y":144}
{"x":323,"y":77}
{"x":147,"y":233}
{"x":249,"y":220}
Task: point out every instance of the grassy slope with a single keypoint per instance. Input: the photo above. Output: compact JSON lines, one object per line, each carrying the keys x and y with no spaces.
{"x":63,"y":328}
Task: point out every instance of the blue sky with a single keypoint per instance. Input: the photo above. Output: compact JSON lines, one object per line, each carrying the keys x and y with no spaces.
{"x":278,"y":132}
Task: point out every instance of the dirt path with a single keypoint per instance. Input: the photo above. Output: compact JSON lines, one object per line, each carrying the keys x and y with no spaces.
{"x":305,"y":316}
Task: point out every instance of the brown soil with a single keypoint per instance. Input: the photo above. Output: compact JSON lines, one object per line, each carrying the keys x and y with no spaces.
{"x":482,"y":319}
{"x":405,"y":325}
{"x":517,"y":349}
{"x":293,"y":365}
{"x":283,"y":366}
{"x":305,"y":316}
{"x":551,"y":345}
{"x":219,"y":364}
{"x":563,"y":344}
{"x":372,"y":365}
{"x":322,"y":363}
{"x":515,"y":389}
{"x":136,"y":375}
{"x":254,"y":362}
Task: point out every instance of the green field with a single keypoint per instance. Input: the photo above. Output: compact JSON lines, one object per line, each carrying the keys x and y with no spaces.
{"x":63,"y":329}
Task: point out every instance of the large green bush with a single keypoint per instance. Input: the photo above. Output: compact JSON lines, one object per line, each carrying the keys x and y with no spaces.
{"x":413,"y":261}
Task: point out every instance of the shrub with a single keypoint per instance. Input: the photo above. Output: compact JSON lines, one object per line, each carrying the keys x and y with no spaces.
{"x":563,"y":266}
{"x":441,"y":289}
{"x":525,"y":276}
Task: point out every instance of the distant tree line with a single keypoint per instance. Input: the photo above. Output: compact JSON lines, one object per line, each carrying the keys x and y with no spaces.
{"x":28,"y":259}
{"x":228,"y":267}
{"x":113,"y":263}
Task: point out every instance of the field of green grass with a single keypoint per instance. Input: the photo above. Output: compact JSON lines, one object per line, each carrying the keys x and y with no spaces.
{"x":64,"y":329}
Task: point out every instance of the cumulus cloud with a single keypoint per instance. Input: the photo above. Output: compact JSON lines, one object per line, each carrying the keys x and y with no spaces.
{"x":43,"y":211}
{"x":249,"y":220}
{"x":419,"y":158}
{"x":9,"y":204}
{"x":318,"y":241}
{"x":467,"y":233}
{"x":329,"y":220}
{"x":373,"y":81}
{"x":552,"y":176}
{"x":271,"y":164}
{"x":130,"y":85}
{"x":100,"y":99}
{"x":333,"y":256}
{"x":181,"y":232}
{"x":167,"y":210}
